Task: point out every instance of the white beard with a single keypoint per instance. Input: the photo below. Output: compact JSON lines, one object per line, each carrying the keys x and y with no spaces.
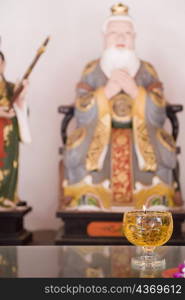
{"x":114,"y":58}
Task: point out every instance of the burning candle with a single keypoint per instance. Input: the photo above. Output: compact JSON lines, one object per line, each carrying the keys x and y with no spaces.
{"x":144,"y":209}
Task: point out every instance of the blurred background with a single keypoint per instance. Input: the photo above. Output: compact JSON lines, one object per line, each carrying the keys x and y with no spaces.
{"x":76,"y":38}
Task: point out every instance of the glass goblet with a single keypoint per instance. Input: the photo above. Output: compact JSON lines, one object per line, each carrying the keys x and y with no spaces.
{"x":148,"y":229}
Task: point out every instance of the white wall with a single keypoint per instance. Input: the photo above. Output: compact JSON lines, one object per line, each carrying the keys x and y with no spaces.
{"x":75,"y":39}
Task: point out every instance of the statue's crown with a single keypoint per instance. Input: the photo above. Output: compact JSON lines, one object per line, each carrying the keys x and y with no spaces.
{"x":119,"y":9}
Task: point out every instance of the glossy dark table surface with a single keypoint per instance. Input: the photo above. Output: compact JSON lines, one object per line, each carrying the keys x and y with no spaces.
{"x":80,"y":261}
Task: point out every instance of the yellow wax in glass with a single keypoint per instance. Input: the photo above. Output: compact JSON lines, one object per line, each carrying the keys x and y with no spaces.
{"x":148,"y":228}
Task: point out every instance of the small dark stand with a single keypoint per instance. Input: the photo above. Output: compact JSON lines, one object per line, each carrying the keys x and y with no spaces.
{"x":12,"y":230}
{"x":90,"y":228}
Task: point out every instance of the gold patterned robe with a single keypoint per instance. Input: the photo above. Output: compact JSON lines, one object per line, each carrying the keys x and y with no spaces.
{"x":9,"y":141}
{"x":120,"y":151}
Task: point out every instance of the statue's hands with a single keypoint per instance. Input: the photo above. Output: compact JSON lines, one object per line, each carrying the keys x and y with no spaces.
{"x":128,"y":84}
{"x":121,"y":80}
{"x":20,"y":100}
{"x":113,"y":86}
{"x":5,"y":113}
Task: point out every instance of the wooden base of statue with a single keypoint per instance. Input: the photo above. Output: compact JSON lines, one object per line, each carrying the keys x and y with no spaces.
{"x":100,"y":228}
{"x":12,"y":231}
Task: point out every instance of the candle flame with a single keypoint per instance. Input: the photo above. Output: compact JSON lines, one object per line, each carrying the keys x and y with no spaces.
{"x":144,"y":208}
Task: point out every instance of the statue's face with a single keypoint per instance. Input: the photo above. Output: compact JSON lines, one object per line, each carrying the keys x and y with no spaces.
{"x":119,"y":34}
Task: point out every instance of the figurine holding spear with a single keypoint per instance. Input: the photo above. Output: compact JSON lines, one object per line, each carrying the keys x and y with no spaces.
{"x":13,"y":129}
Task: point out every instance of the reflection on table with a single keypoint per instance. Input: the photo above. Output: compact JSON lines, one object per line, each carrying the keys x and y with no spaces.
{"x":80,"y":261}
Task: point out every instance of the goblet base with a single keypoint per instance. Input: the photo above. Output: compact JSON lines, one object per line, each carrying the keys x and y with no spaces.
{"x":143,"y":263}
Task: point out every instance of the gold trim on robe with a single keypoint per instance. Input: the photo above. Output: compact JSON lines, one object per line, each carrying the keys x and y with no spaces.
{"x":157,"y":99}
{"x":76,"y":138}
{"x":166,"y":139}
{"x":145,"y":152}
{"x":89,"y":68}
{"x":98,"y":147}
{"x":160,"y":189}
{"x":76,"y":191}
{"x":150,"y":69}
{"x":86,"y":102}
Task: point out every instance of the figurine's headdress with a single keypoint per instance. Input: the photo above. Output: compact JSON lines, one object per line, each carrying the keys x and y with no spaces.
{"x":119,"y":12}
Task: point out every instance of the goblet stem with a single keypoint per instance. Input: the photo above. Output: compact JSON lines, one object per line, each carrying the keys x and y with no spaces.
{"x":149,"y":255}
{"x":148,"y":261}
{"x":149,"y":251}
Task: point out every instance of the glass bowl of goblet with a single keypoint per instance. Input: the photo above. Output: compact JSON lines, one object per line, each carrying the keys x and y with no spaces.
{"x":148,"y":229}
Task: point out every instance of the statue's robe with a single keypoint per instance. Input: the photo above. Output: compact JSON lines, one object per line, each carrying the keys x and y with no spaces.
{"x":12,"y":131}
{"x":120,"y":150}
